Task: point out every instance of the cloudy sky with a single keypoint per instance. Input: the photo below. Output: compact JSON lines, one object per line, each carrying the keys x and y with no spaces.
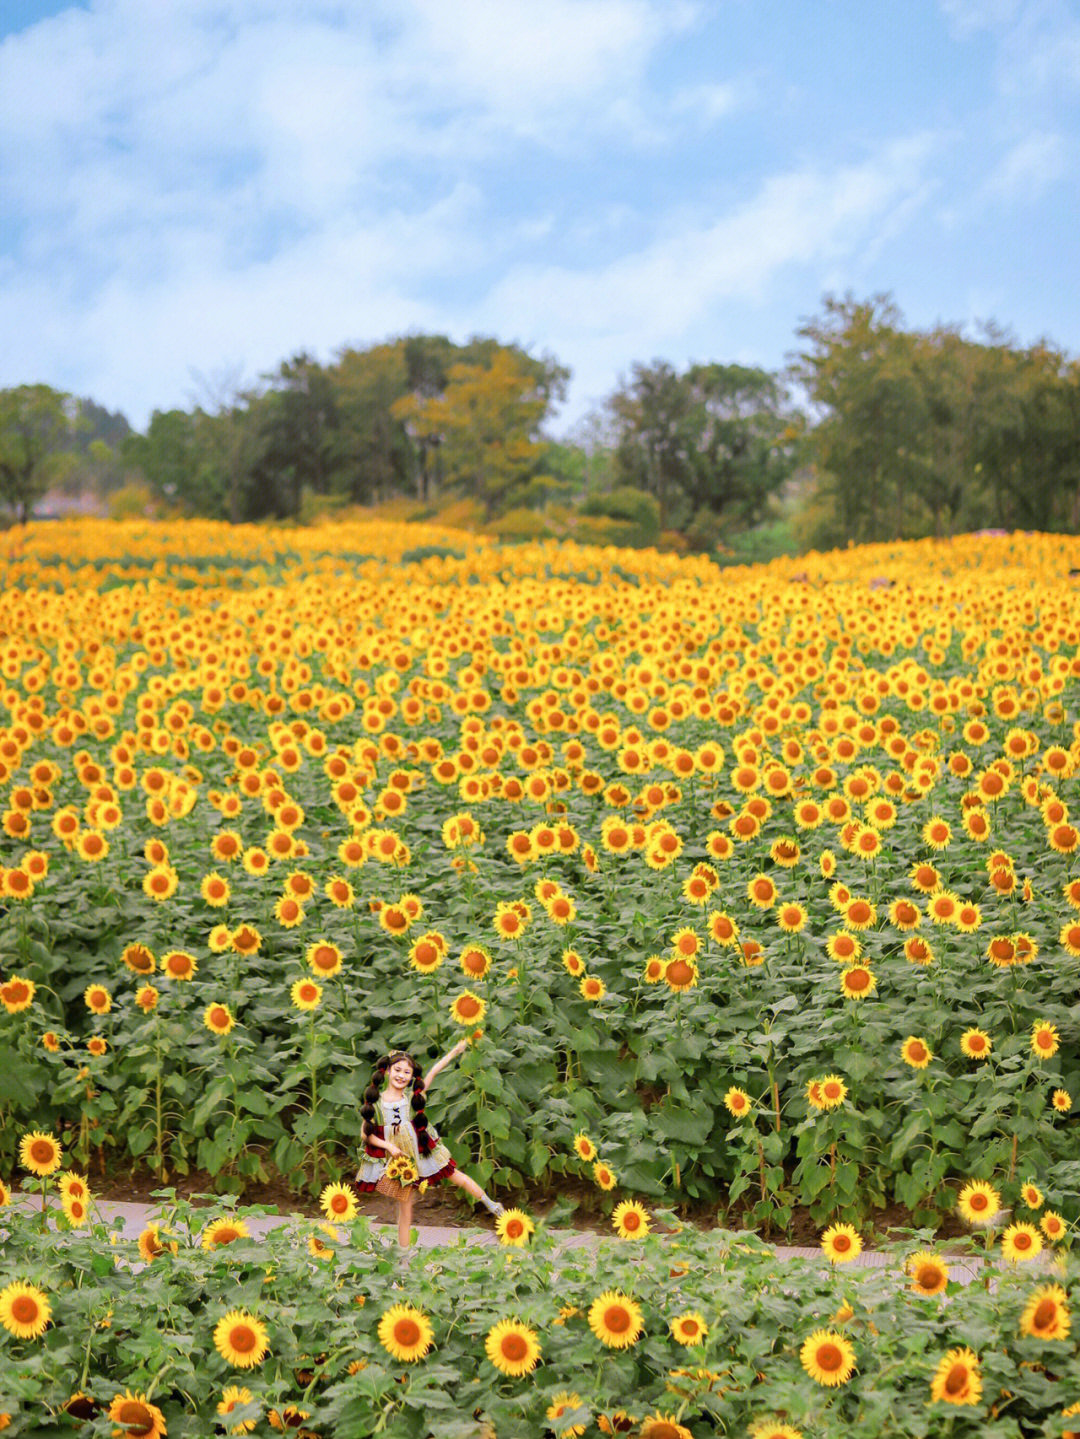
{"x":204,"y":187}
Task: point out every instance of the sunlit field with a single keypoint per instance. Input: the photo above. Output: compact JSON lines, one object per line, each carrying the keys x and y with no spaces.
{"x":757,"y":890}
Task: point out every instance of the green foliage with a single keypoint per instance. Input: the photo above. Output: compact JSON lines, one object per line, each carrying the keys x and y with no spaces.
{"x":34,"y":427}
{"x":639,"y":510}
{"x":930,"y":433}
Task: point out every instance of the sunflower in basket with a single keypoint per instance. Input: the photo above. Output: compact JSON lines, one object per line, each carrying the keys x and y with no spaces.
{"x":401,"y":1169}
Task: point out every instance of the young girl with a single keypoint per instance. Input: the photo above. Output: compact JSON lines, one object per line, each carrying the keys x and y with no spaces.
{"x":395,"y":1123}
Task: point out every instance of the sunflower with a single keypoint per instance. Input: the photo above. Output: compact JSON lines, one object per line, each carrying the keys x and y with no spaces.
{"x":827,"y":1357}
{"x":792,"y":918}
{"x":475,"y":961}
{"x":630,"y":1220}
{"x":929,"y":1275}
{"x":978,"y":1202}
{"x":97,"y":999}
{"x":563,"y":1403}
{"x":161,"y":883}
{"x":653,"y":972}
{"x":139,"y":958}
{"x":40,"y":1153}
{"x":584,"y":1148}
{"x":426,"y":956}
{"x":680,"y":974}
{"x":956,"y":1379}
{"x":323,"y":958}
{"x":405,"y":1333}
{"x":306,"y":994}
{"x":288,"y":911}
{"x":773,"y":1429}
{"x":468,"y":1008}
{"x":24,"y":1311}
{"x":234,"y":1397}
{"x":737,"y":1102}
{"x":215,"y":890}
{"x":151,"y":1246}
{"x":604,"y":1176}
{"x":220,"y":1232}
{"x":916,"y":1052}
{"x":976,"y":1043}
{"x":512,"y":1347}
{"x":136,"y":1416}
{"x":831,"y":1092}
{"x":663,"y":1426}
{"x":241,"y":1339}
{"x":1046,"y":1314}
{"x":689,"y":1329}
{"x":1061,"y":1099}
{"x":219,"y":939}
{"x":615,"y":1319}
{"x":1044,"y":1039}
{"x":218,"y":1018}
{"x":1032,"y":1195}
{"x":246,"y":939}
{"x":592,"y":988}
{"x":841,"y":1243}
{"x":844,"y":947}
{"x":857,"y":982}
{"x":514,"y":1228}
{"x":1052,"y":1225}
{"x":762,"y":892}
{"x":17,"y":994}
{"x":337,"y":1201}
{"x":1021,"y":1241}
{"x":73,"y":1186}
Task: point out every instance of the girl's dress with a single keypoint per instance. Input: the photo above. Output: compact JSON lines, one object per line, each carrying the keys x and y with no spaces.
{"x":397,"y":1127}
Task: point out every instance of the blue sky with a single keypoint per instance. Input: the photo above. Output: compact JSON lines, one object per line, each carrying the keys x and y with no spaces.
{"x":201,"y":188}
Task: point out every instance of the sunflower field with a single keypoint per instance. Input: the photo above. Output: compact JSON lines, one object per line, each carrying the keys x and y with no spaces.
{"x":201,"y":1327}
{"x":757,"y":888}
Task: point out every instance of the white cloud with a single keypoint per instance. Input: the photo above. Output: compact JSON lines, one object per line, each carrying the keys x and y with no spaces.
{"x":800,"y":218}
{"x":1028,"y":168}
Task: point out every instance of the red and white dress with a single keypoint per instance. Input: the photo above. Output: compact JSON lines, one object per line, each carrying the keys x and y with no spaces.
{"x":397,"y":1127}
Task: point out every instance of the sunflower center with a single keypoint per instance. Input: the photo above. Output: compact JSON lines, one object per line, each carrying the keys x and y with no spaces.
{"x":515,"y":1229}
{"x":1022,"y":1241}
{"x":632,"y":1221}
{"x":136,"y":1416}
{"x":42,"y":1151}
{"x":24,"y":1309}
{"x":617,"y":1319}
{"x":1044,"y":1315}
{"x":690,"y":1326}
{"x":829,"y":1358}
{"x":680,"y":972}
{"x":226,"y":1235}
{"x":242,"y":1337}
{"x":927,"y":1276}
{"x":841,"y":1243}
{"x":956,"y":1381}
{"x":514,"y":1348}
{"x":978,"y":1201}
{"x":407,"y":1332}
{"x":858,"y":979}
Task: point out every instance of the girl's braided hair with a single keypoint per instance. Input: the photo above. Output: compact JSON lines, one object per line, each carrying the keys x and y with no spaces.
{"x":375,"y":1087}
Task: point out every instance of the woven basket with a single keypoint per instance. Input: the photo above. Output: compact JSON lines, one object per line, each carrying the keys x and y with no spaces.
{"x":391,"y":1189}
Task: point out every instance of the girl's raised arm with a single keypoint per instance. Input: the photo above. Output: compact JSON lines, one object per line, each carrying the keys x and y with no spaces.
{"x":448,"y":1058}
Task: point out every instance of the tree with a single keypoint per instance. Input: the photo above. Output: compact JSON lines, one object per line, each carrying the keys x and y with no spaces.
{"x":34,"y":426}
{"x":713,"y":444}
{"x":861,"y":374}
{"x":651,"y":413}
{"x":373,"y":456}
{"x":488,"y":421}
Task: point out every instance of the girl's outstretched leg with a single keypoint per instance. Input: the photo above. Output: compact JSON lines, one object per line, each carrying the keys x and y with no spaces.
{"x":470,"y":1186}
{"x":404,"y":1220}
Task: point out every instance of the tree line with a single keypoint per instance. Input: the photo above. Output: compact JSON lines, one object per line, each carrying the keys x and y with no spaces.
{"x":873,"y":431}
